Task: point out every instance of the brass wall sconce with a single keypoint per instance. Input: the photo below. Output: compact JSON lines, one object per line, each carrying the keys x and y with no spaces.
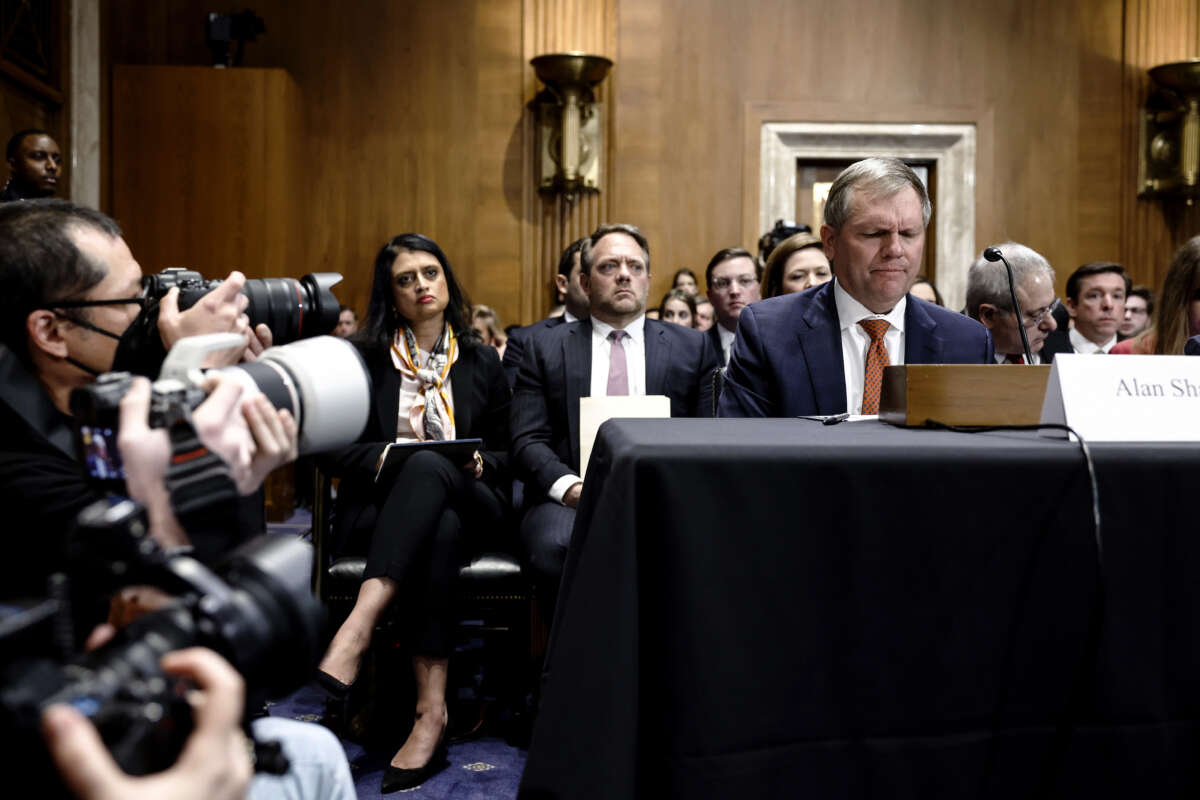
{"x":570,"y":123}
{"x":1169,"y":150}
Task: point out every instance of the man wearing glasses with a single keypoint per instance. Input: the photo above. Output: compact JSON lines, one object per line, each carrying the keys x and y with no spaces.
{"x":823,"y":350}
{"x":989,"y":302}
{"x":732,"y":277}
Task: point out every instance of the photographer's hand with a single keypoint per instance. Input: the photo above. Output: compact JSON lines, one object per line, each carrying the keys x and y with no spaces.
{"x":215,"y":761}
{"x":261,"y":338}
{"x":219,"y":311}
{"x":252,"y":443}
{"x":146,"y":452}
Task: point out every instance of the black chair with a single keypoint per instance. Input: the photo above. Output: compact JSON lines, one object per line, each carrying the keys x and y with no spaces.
{"x":498,"y":624}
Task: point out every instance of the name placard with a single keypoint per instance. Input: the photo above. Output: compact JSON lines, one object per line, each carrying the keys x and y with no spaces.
{"x":1125,"y":398}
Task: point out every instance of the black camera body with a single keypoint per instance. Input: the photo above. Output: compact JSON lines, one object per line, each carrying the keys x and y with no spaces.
{"x":293,"y":309}
{"x":255,"y":609}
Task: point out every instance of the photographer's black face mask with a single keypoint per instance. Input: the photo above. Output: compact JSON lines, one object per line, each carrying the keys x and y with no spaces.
{"x":83,"y":323}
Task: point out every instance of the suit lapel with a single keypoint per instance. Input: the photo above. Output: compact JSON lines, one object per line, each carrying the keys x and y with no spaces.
{"x":821,"y":341}
{"x":922,"y":345}
{"x":387,"y":399}
{"x":462,"y":386}
{"x":577,"y":365}
{"x":658,"y":356}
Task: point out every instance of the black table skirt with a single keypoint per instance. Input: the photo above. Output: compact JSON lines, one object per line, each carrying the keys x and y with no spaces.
{"x":757,"y":608}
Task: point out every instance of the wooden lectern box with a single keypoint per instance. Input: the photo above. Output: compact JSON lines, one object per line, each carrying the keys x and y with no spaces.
{"x":963,"y":394}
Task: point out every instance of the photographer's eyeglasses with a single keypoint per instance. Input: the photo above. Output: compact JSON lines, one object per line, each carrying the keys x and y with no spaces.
{"x":140,"y":300}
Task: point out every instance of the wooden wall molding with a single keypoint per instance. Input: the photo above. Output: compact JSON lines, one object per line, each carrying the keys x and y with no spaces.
{"x":550,"y":223}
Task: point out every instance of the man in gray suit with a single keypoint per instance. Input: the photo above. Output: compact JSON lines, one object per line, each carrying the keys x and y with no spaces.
{"x":615,"y":351}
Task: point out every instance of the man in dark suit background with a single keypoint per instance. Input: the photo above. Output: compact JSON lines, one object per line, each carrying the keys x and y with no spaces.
{"x":732,"y":277}
{"x":575,"y":303}
{"x":616,"y":350}
{"x":822,"y":351}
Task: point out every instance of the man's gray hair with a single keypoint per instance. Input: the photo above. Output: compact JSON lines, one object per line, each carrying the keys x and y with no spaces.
{"x":987,"y":281}
{"x":875,"y":176}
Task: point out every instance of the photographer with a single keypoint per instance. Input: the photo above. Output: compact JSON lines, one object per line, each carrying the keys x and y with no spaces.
{"x":70,"y":291}
{"x":214,"y":764}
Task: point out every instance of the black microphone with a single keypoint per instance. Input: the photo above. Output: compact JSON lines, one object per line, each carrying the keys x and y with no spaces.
{"x":994,"y":254}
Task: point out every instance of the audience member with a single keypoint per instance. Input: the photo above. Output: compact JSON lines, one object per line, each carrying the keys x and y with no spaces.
{"x":796,"y":264}
{"x":704,"y":313}
{"x":1178,"y":317}
{"x":651,"y":313}
{"x":1096,"y":302}
{"x":989,"y":301}
{"x":783,"y":229}
{"x":823,"y":351}
{"x":685,"y":279}
{"x":34,"y":164}
{"x":347,"y":324}
{"x":1139,"y":306}
{"x":432,"y":379}
{"x":616,"y":351}
{"x":486,"y":323}
{"x":927,"y":291}
{"x":678,"y":307}
{"x":575,"y":308}
{"x":732,"y":277}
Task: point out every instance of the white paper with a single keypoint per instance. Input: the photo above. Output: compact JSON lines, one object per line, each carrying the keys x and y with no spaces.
{"x":1125,"y":398}
{"x":595,"y":411}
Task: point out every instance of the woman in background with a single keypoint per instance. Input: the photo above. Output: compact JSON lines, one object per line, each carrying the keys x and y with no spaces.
{"x":432,"y":379}
{"x":685,"y":279}
{"x":924,"y":289}
{"x":798,"y":263}
{"x":678,"y":307}
{"x":1177,"y":317}
{"x":486,"y":323}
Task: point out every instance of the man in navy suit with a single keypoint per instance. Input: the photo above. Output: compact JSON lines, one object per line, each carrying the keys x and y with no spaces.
{"x":616,"y":350}
{"x":575,"y":306}
{"x":821,"y":351}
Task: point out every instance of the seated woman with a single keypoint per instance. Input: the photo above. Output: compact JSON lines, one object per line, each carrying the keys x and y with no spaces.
{"x":1177,"y":317}
{"x":923,"y":288}
{"x":431,"y":379}
{"x":678,"y":307}
{"x":685,"y":279}
{"x":486,"y":323}
{"x":798,"y":263}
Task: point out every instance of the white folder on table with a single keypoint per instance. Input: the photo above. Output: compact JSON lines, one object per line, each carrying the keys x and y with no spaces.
{"x":595,"y":411}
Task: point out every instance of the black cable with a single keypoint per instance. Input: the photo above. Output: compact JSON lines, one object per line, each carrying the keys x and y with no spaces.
{"x":1055,"y":760}
{"x":1083,"y":448}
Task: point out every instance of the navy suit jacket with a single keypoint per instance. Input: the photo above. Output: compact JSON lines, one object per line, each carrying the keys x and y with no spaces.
{"x":787,"y":357}
{"x":556,"y":371}
{"x":1057,"y":342}
{"x":514,"y":350}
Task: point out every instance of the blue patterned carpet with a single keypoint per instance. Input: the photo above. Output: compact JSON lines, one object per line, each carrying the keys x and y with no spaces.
{"x":484,"y":769}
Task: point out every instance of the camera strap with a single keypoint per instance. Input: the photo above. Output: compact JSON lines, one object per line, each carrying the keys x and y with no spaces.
{"x":201,"y":486}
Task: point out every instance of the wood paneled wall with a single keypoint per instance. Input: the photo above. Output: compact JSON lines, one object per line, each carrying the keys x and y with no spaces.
{"x":1155,"y":32}
{"x":553,"y":222}
{"x":415,"y":117}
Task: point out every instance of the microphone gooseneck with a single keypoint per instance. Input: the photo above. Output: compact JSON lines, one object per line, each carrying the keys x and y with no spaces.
{"x":994,"y":254}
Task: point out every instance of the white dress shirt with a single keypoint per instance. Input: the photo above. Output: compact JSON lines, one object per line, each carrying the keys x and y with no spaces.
{"x":726,"y":341}
{"x":1086,"y":346}
{"x":635,"y":368}
{"x":855,"y":341}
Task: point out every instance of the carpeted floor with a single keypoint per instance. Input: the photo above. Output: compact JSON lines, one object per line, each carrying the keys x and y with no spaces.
{"x":484,"y":769}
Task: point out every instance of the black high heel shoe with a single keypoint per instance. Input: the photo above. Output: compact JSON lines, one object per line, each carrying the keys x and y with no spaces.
{"x":395,"y":778}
